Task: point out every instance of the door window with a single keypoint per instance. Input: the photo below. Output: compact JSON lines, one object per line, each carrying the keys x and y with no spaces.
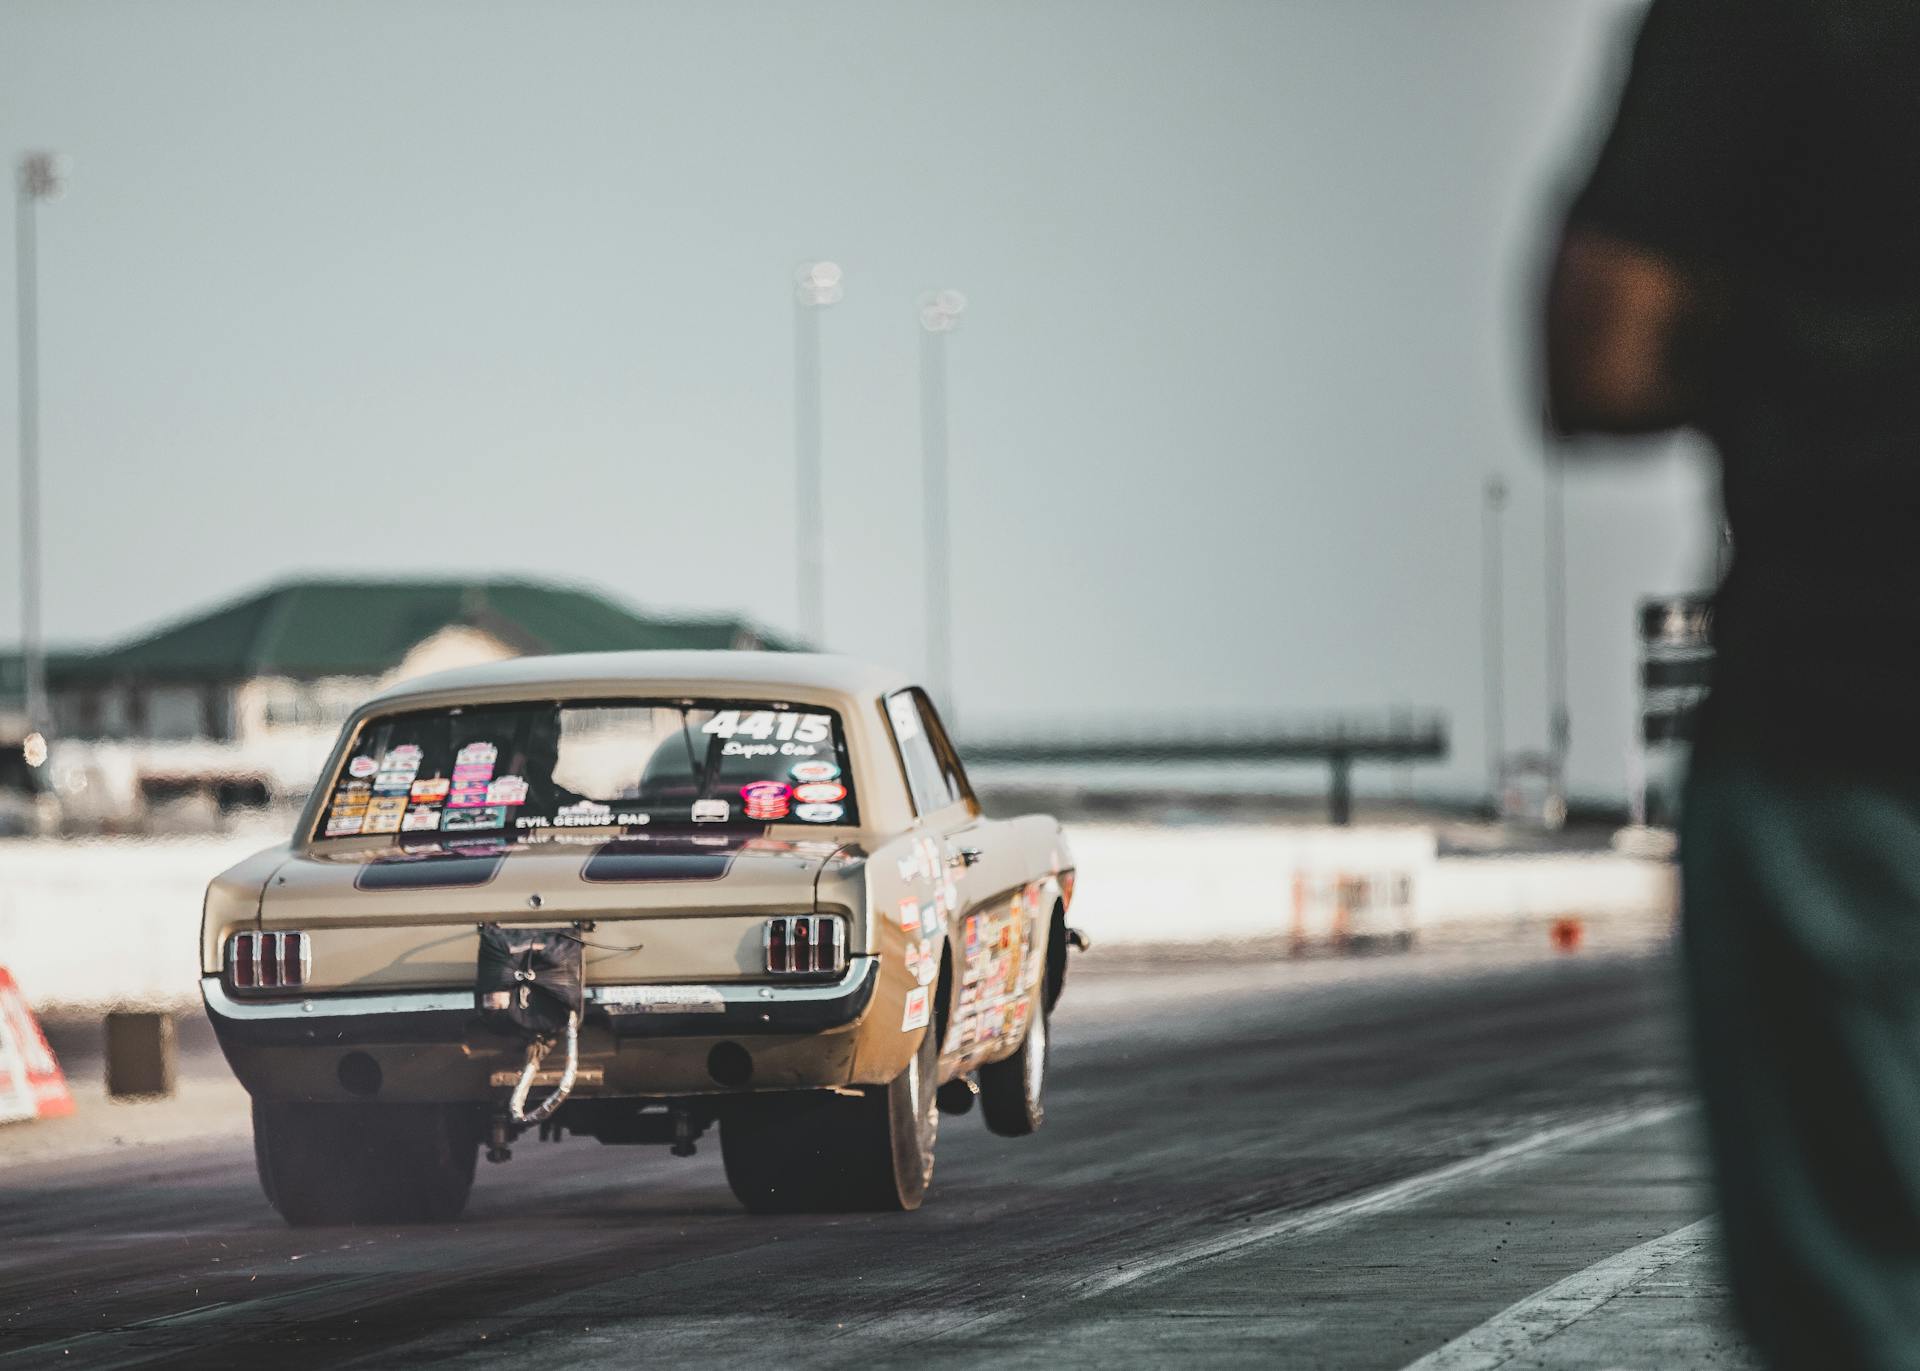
{"x":927,"y":780}
{"x":952,"y":774}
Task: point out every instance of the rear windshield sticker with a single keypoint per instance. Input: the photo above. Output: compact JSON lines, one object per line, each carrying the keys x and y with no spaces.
{"x":765,"y":800}
{"x":910,"y":914}
{"x":819,"y":814}
{"x":421,"y":819}
{"x":477,"y":754}
{"x":814,"y":771}
{"x":820,"y":792}
{"x":584,"y":814}
{"x":343,"y":825}
{"x":508,"y":790}
{"x":713,"y":811}
{"x":494,"y":816}
{"x":362,"y":766}
{"x":435,"y":789}
{"x":764,"y":724}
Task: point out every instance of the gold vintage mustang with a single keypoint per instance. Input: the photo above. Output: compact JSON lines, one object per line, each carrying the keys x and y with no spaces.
{"x":630,"y":896}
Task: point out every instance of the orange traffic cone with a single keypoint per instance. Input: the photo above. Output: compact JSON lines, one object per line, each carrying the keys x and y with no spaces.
{"x":31,"y":1082}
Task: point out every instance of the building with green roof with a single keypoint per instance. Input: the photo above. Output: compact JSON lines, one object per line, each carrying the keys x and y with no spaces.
{"x":249,"y":693}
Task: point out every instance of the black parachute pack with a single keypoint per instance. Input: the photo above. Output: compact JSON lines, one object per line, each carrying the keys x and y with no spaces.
{"x":529,"y":983}
{"x":529,"y":980}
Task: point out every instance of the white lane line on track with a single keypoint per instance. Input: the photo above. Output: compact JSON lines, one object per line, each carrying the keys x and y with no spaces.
{"x":1522,"y":1327}
{"x":1305,"y":1223}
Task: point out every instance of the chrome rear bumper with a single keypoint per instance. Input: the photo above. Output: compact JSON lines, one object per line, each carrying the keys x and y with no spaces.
{"x":640,"y":1011}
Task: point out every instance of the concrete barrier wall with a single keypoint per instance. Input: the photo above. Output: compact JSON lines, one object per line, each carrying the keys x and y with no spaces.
{"x":85,"y":924}
{"x":109,"y":921}
{"x":1580,"y":884}
{"x":1142,"y":884}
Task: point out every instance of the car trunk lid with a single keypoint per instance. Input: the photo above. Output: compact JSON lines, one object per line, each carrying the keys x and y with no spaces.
{"x":664,"y":908}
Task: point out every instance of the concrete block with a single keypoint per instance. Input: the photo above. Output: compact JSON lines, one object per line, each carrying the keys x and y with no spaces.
{"x":140,"y":1054}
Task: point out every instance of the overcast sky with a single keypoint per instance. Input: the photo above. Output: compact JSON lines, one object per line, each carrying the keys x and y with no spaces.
{"x":397,"y":288}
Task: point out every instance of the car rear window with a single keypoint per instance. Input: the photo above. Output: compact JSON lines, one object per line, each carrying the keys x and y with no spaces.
{"x":527,"y":769}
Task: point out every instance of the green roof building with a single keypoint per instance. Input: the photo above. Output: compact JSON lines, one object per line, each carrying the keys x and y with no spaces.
{"x":268,"y":678}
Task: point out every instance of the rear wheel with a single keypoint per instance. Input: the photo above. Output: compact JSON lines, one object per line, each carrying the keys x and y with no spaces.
{"x":365,"y":1163}
{"x":1010,"y":1089}
{"x":820,"y":1152}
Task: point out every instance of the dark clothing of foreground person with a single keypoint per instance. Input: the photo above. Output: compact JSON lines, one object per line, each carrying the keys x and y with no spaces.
{"x":1746,"y":260}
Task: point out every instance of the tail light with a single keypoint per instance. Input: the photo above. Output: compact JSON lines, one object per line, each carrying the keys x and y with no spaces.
{"x":1066,"y":889}
{"x":806,"y":945}
{"x":269,"y":961}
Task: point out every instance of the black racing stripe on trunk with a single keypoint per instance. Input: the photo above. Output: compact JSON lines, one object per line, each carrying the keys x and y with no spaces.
{"x":428,"y":873}
{"x":654,"y":860}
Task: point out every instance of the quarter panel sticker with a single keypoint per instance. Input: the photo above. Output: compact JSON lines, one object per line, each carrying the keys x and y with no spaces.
{"x":919,"y":1008}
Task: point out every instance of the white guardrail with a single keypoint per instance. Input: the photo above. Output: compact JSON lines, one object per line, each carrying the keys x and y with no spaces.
{"x":91,"y":923}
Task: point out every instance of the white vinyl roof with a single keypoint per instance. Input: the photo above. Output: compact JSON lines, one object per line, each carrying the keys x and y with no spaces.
{"x":583,"y":673}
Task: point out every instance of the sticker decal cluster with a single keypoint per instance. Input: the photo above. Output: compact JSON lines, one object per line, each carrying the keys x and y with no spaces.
{"x":992,"y":1001}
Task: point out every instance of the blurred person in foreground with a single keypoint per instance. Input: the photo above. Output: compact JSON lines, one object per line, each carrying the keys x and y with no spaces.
{"x":1745,"y":260}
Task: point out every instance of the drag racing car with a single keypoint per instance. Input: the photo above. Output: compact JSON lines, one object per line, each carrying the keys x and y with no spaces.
{"x":634,"y":896}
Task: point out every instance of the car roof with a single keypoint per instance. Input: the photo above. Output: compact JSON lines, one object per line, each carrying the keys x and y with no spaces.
{"x":580,"y":673}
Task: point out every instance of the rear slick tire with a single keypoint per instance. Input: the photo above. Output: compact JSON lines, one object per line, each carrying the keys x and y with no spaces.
{"x":365,"y":1163}
{"x":1011,"y":1089}
{"x":822,"y":1153}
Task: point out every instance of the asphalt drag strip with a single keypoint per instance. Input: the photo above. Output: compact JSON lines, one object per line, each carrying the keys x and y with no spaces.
{"x":1204,"y":1124}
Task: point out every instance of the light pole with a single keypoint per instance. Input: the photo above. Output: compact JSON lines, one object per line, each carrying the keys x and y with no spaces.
{"x":940,"y":313}
{"x":816,"y":286}
{"x":1560,"y":718}
{"x":1493,"y":636}
{"x":40,"y":177}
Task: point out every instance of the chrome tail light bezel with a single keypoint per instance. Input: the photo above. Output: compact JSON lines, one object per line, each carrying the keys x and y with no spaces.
{"x":795,"y":945}
{"x":269,"y":963}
